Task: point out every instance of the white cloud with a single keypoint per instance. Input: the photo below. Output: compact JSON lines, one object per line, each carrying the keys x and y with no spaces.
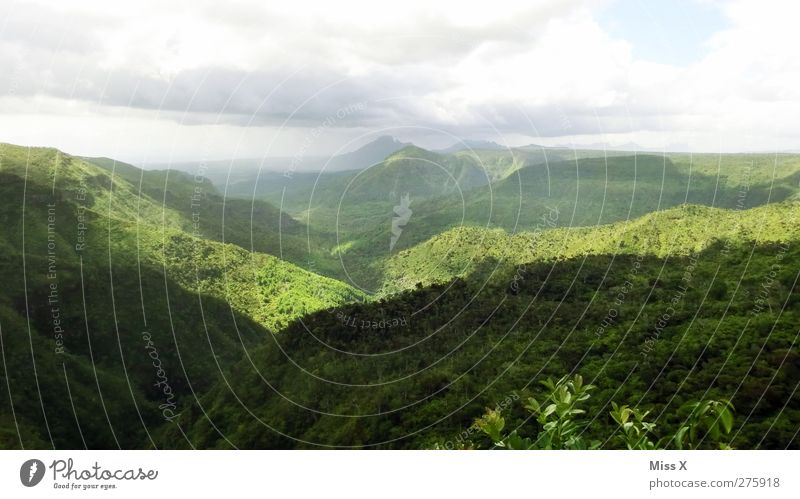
{"x":544,"y":70}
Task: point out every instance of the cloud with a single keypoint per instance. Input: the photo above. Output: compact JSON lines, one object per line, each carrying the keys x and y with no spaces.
{"x":543,"y":69}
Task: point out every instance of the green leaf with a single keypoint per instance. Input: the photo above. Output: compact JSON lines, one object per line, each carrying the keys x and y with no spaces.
{"x":726,"y":418}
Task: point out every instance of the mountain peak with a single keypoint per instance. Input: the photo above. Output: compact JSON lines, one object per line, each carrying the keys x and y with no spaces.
{"x":386,"y":139}
{"x":369,"y":154}
{"x":411,"y":151}
{"x":383,"y":144}
{"x":467,"y":144}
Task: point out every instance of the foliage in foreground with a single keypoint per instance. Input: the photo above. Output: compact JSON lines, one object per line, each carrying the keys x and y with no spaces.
{"x":153,"y":296}
{"x":562,"y":422}
{"x":602,"y":316}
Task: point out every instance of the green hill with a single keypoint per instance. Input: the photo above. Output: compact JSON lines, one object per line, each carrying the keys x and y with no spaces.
{"x":197,"y":207}
{"x":596,"y":191}
{"x":134,"y":312}
{"x":100,"y":284}
{"x":677,"y":231}
{"x":516,"y":191}
{"x":414,"y":370}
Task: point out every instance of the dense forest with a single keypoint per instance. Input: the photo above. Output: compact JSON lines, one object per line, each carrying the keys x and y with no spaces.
{"x":101,"y":282}
{"x":149,"y":309}
{"x":414,"y":370}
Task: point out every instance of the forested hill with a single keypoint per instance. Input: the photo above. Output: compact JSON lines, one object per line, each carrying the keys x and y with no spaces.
{"x":602,"y":190}
{"x":191,"y":203}
{"x":677,"y":231}
{"x":415,"y":370}
{"x":135,"y":313}
{"x":104,"y":294}
{"x":512,"y":190}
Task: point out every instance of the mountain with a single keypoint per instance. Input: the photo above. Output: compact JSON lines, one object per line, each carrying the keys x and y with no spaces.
{"x":514,"y":190}
{"x":596,"y":191}
{"x":144,"y":309}
{"x":366,"y":209}
{"x":467,"y":144}
{"x":201,"y":210}
{"x":296,"y":191}
{"x":241,"y":176}
{"x":415,"y":170}
{"x":605,"y":146}
{"x":365,"y":156}
{"x":109,"y":288}
{"x":414,"y":370}
{"x":681,"y":230}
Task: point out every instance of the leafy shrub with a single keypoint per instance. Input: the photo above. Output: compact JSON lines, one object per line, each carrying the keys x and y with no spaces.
{"x":562,"y":425}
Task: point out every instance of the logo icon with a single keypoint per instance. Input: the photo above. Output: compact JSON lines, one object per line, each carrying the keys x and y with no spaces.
{"x":402,"y":216}
{"x":31,"y":472}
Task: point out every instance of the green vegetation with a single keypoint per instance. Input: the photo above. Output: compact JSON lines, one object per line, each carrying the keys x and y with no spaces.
{"x":563,"y":423}
{"x":146,"y":309}
{"x":516,"y":190}
{"x":678,"y":231}
{"x":420,"y":366}
{"x":98,"y":279}
{"x":189,"y":202}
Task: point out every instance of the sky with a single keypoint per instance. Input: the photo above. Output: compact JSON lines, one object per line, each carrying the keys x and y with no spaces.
{"x":155,"y":81}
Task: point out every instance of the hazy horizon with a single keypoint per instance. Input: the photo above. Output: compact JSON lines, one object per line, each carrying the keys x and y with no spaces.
{"x":197,"y":81}
{"x":437,"y":148}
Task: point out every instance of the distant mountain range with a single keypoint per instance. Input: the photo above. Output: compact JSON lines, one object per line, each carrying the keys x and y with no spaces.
{"x":467,"y":144}
{"x":365,"y":156}
{"x":245,"y":169}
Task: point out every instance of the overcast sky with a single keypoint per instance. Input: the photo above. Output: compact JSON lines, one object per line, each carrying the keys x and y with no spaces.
{"x":151,"y":81}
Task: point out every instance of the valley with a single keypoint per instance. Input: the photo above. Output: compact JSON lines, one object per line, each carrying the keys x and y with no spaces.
{"x":387,"y":305}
